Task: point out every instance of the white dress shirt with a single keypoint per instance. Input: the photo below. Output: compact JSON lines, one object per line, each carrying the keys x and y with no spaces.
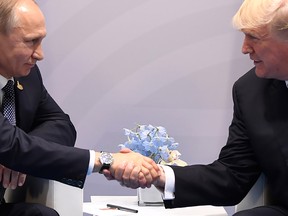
{"x":169,"y":189}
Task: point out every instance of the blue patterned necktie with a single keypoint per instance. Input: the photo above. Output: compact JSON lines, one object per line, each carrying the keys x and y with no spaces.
{"x":8,"y":110}
{"x":8,"y":102}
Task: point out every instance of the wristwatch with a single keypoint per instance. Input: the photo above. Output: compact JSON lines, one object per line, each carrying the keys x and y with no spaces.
{"x":106,"y":159}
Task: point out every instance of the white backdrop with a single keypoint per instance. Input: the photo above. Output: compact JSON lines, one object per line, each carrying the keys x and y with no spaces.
{"x":112,"y":64}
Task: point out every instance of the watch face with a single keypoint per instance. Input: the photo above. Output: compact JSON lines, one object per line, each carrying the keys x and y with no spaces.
{"x":106,"y":158}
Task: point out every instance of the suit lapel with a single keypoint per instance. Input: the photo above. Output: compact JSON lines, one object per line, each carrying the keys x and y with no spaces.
{"x":22,"y":105}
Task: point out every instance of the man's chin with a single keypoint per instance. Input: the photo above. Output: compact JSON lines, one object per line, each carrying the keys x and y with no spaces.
{"x":260,"y":73}
{"x":24,"y":73}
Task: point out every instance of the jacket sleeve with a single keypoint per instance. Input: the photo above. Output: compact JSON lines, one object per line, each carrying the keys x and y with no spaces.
{"x":38,"y":157}
{"x":33,"y":146}
{"x":225,"y":181}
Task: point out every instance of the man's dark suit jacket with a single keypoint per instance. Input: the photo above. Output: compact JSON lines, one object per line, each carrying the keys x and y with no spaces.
{"x":38,"y":145}
{"x":257,"y":142}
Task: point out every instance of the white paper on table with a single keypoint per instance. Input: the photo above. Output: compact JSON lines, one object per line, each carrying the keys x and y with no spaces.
{"x":98,"y":203}
{"x":102,"y":210}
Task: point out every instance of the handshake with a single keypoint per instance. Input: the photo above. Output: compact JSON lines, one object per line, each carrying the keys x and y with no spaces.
{"x":133,"y":170}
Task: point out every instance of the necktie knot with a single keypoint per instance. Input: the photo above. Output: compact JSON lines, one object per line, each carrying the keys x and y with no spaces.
{"x":8,"y":89}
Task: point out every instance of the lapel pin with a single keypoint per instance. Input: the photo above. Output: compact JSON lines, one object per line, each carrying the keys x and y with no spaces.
{"x":19,"y":86}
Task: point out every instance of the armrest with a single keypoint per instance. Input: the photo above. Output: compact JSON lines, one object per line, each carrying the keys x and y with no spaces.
{"x":65,"y":199}
{"x":257,"y":196}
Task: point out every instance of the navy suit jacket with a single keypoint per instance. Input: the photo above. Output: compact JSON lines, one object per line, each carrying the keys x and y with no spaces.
{"x":257,"y":143}
{"x":41,"y":144}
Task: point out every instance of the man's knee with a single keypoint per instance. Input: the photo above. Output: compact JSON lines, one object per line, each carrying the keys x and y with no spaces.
{"x":242,"y":213}
{"x":263,"y":211}
{"x":41,"y":210}
{"x":26,"y":209}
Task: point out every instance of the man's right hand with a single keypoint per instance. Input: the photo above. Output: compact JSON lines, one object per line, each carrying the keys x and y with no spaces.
{"x":132,"y":169}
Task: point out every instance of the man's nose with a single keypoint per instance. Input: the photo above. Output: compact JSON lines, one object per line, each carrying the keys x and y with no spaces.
{"x":246,"y":47}
{"x":38,"y":53}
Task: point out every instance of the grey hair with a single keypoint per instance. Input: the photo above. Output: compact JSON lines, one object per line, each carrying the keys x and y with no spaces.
{"x":254,"y":14}
{"x":8,"y":17}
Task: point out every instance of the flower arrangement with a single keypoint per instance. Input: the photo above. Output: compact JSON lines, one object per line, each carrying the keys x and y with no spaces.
{"x":153,"y":142}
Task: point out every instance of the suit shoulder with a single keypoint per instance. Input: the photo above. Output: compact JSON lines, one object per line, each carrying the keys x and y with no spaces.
{"x":251,"y":80}
{"x":249,"y":76}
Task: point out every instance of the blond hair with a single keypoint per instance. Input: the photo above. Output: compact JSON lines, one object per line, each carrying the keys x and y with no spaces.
{"x":255,"y":14}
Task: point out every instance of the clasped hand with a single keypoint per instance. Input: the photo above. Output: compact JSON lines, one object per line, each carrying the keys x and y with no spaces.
{"x":11,"y":179}
{"x":133,"y":170}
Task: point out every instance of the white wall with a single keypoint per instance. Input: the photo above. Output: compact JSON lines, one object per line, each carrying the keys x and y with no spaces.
{"x":113,"y":63}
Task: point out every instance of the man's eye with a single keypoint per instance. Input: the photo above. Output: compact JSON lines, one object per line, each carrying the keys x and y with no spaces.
{"x":253,"y":37}
{"x":32,"y":41}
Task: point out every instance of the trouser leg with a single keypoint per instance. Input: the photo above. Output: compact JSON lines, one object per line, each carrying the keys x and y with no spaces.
{"x":263,"y":211}
{"x":26,"y":209}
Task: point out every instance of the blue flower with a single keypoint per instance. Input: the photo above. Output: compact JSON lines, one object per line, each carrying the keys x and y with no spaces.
{"x":150,"y":141}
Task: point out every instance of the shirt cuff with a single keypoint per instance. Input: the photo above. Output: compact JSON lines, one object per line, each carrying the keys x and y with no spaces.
{"x":169,"y":183}
{"x":91,"y":162}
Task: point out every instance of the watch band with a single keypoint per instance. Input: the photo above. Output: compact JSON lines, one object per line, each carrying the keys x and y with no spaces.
{"x":104,"y":166}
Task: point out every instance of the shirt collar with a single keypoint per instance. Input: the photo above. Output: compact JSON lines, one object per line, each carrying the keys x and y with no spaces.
{"x":286,"y":81}
{"x":3,"y":81}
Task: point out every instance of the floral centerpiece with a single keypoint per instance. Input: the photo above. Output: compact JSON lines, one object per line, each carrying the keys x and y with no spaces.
{"x":153,"y":142}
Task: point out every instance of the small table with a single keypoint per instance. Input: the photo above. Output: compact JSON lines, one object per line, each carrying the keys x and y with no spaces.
{"x":98,"y":207}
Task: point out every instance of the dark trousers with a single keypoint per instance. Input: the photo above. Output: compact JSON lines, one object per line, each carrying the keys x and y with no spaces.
{"x":263,"y":211}
{"x":26,"y":209}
